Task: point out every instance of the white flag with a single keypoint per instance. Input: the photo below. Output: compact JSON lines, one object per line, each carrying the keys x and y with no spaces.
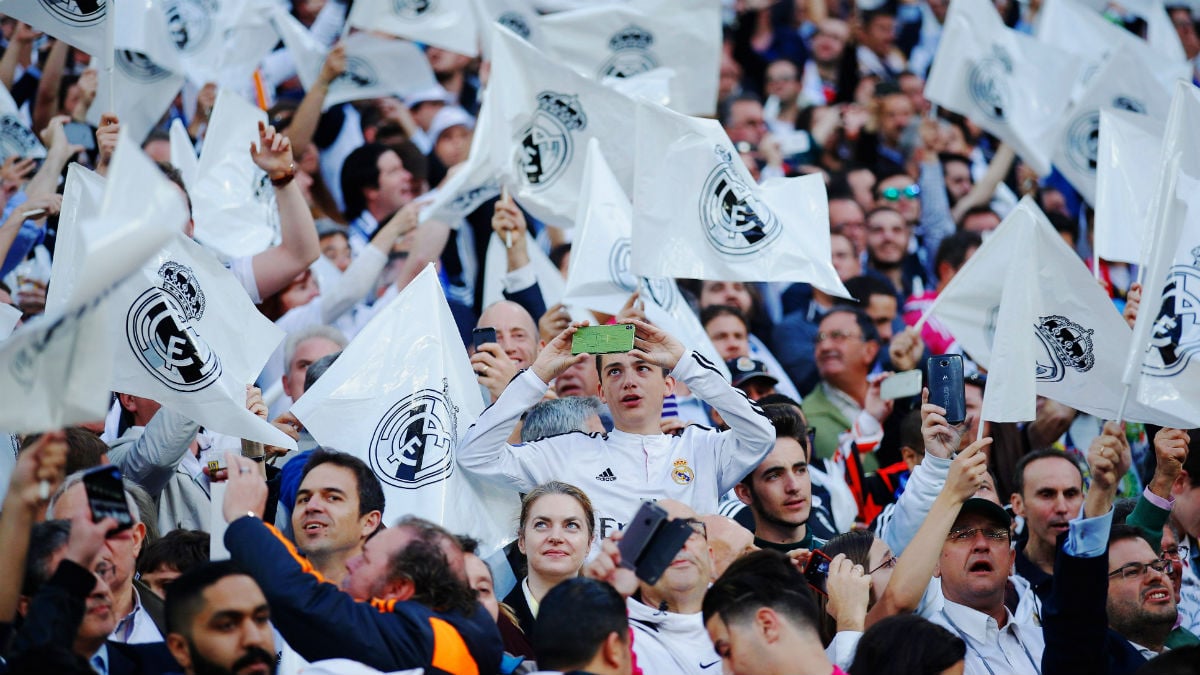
{"x":1011,"y":396}
{"x":1079,"y":337}
{"x":183,"y":153}
{"x":83,"y":24}
{"x":627,"y":40}
{"x":1006,"y":82}
{"x":9,"y":316}
{"x":220,"y":41}
{"x":519,"y":16}
{"x":449,"y":24}
{"x":83,"y":193}
{"x":142,"y":89}
{"x":15,"y":137}
{"x":399,"y":397}
{"x":1167,"y":333}
{"x":475,"y":181}
{"x":1126,"y":173}
{"x":233,"y":202}
{"x":378,"y":66}
{"x":1123,"y":83}
{"x":495,"y":265}
{"x":699,"y":214}
{"x":542,"y":115}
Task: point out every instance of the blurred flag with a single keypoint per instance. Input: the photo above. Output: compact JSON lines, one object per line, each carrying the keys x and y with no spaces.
{"x":15,"y":137}
{"x":698,"y":213}
{"x":399,"y":398}
{"x":1078,"y":336}
{"x":1011,"y":396}
{"x":1161,"y":362}
{"x":519,"y":16}
{"x":233,"y":202}
{"x":1007,"y":82}
{"x":83,"y":194}
{"x":83,"y":24}
{"x":626,"y":40}
{"x":449,"y":24}
{"x":1127,"y":165}
{"x":473,"y":182}
{"x":183,"y":153}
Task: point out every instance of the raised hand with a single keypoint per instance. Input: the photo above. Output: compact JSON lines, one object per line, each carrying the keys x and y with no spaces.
{"x":606,"y":567}
{"x":274,"y":152}
{"x":1108,"y":460}
{"x":655,"y":345}
{"x":849,"y":589}
{"x":38,"y":471}
{"x":1170,"y":451}
{"x":106,"y":140}
{"x":968,"y":471}
{"x":554,"y":321}
{"x":634,"y":308}
{"x":493,"y":368}
{"x":247,"y":489}
{"x":941,"y":439}
{"x":556,"y":356}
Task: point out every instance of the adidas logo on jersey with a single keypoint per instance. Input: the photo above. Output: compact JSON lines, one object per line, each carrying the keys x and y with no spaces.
{"x":607,"y":475}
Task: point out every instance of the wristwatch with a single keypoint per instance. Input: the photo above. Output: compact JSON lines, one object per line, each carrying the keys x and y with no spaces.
{"x":284,"y":177}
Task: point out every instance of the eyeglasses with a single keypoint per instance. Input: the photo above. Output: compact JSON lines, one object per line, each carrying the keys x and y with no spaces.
{"x":1135,"y":570}
{"x":837,"y":336}
{"x":697,"y":526}
{"x":886,"y":564}
{"x":1180,"y":552}
{"x":894,"y":194}
{"x":964,"y":534}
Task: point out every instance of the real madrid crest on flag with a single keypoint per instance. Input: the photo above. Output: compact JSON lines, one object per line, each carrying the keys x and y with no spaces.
{"x":399,"y":398}
{"x":449,"y":24}
{"x":736,"y":221}
{"x":1067,"y":345}
{"x":160,"y":326}
{"x":1175,"y":333}
{"x":83,"y":24}
{"x":547,"y":145}
{"x":15,"y":137}
{"x":988,"y":83}
{"x":631,"y":53}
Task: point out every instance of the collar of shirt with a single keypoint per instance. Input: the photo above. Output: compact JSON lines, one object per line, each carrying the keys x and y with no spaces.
{"x":99,"y":660}
{"x":529,"y":599}
{"x":979,"y":626}
{"x":841,"y":400}
{"x":1146,"y":652}
{"x":136,"y":627}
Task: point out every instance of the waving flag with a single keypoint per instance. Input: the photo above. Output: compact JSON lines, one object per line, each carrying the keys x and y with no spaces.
{"x":1127,"y":168}
{"x":233,"y":202}
{"x":626,"y":40}
{"x":15,"y":137}
{"x":475,"y":181}
{"x":1164,"y":359}
{"x":1077,"y":335}
{"x":399,"y":397}
{"x":519,"y":16}
{"x":83,"y":24}
{"x":83,"y":194}
{"x":542,"y":114}
{"x":449,"y":24}
{"x":698,"y":213}
{"x":183,"y":153}
{"x":1008,"y":83}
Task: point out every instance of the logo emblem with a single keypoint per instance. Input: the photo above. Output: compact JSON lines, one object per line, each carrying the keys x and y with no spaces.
{"x":662,"y":291}
{"x":78,"y":13}
{"x":736,"y":222}
{"x":359,"y":73}
{"x":190,"y":23}
{"x":413,"y":9}
{"x":618,"y":266}
{"x":1068,"y":346}
{"x":412,"y":445}
{"x":264,"y":195}
{"x":516,"y":23}
{"x":1083,"y":141}
{"x":139,"y":66}
{"x":682,"y":473}
{"x":987,"y":83}
{"x":631,"y":53}
{"x":546,"y":146}
{"x":161,"y":330}
{"x":15,"y":138}
{"x":1175,"y":335}
{"x":607,"y":476}
{"x":469,"y":200}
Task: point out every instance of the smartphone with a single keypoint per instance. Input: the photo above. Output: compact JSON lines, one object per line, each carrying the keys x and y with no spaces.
{"x":901,"y":385}
{"x":106,"y":495}
{"x":816,"y":572}
{"x":946,"y":386}
{"x":80,"y":134}
{"x":614,"y":339}
{"x":651,"y":541}
{"x":482,"y":336}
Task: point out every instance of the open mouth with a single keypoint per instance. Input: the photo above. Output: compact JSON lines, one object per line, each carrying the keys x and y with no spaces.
{"x":980,"y":567}
{"x":631,"y":400}
{"x":314,"y":527}
{"x":1158,"y":595}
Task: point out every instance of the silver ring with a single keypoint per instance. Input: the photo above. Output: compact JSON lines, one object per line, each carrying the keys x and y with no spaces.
{"x":484,"y":371}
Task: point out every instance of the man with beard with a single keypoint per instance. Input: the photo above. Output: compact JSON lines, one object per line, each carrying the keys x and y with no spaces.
{"x":218,"y":622}
{"x":888,"y":234}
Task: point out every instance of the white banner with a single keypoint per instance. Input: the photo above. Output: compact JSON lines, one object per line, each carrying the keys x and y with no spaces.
{"x":15,"y":137}
{"x":1126,"y":173}
{"x":83,"y":24}
{"x":474,"y":181}
{"x":626,"y":40}
{"x":1079,"y":335}
{"x":495,"y":266}
{"x":83,"y":194}
{"x":1008,"y":83}
{"x":183,"y":153}
{"x":233,"y":202}
{"x":519,"y":16}
{"x":220,"y":41}
{"x":1011,"y":396}
{"x":542,"y":115}
{"x":449,"y":24}
{"x":698,"y":213}
{"x":399,"y":398}
{"x":142,"y":89}
{"x":1161,"y":362}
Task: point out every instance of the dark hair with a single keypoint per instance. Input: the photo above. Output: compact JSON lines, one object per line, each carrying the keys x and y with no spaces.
{"x":175,"y":177}
{"x":317,"y":368}
{"x":952,"y":157}
{"x":1063,"y":225}
{"x":84,"y":448}
{"x":725,"y":108}
{"x":559,"y":252}
{"x":360,"y":170}
{"x":1178,"y":661}
{"x":954,"y":249}
{"x":855,"y":544}
{"x":864,"y":286}
{"x":423,"y":561}
{"x":907,"y":645}
{"x":1043,"y":453}
{"x":45,"y":540}
{"x":713,"y":311}
{"x":574,"y":620}
{"x":467,"y":543}
{"x":1123,"y":531}
{"x":185,"y":595}
{"x":865,"y":324}
{"x":910,"y":431}
{"x":789,"y":422}
{"x":778,"y":399}
{"x":761,"y":579}
{"x":1121,"y":509}
{"x":600,"y":367}
{"x":180,"y":550}
{"x":48,"y":658}
{"x":882,"y":209}
{"x":370,"y":492}
{"x":976,"y":211}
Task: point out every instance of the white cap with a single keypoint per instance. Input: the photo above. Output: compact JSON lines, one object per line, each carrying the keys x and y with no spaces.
{"x":450,"y":116}
{"x":435,"y":93}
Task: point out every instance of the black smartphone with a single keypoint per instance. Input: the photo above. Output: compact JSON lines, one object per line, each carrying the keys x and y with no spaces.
{"x":106,"y":495}
{"x":482,"y":336}
{"x":946,"y":386}
{"x":816,"y":572}
{"x":651,"y":541}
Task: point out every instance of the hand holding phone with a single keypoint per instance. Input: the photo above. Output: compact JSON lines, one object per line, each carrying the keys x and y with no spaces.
{"x":614,"y":339}
{"x":482,"y":336}
{"x":816,"y":573}
{"x":651,"y":541}
{"x":946,"y":388}
{"x":106,"y":495}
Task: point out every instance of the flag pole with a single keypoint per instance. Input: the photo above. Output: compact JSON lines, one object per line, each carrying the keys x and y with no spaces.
{"x":925,"y":316}
{"x":1124,"y":402}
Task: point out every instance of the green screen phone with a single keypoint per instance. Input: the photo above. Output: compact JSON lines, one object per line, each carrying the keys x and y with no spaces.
{"x":613,"y":339}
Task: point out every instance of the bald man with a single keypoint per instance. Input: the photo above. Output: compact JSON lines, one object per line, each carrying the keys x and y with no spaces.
{"x":516,"y":346}
{"x":727,"y":541}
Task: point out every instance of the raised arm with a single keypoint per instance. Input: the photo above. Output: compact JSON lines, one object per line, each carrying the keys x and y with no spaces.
{"x":45,"y":103}
{"x":275,"y":267}
{"x":42,"y":462}
{"x":150,"y":460}
{"x":308,"y":114}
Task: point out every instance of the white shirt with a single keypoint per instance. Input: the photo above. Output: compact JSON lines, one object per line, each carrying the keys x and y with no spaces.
{"x":137,"y":627}
{"x":1015,"y":649}
{"x":666,"y":643}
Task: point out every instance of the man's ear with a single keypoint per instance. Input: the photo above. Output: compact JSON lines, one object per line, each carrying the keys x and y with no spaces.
{"x":177,"y":645}
{"x":139,"y":536}
{"x":128,"y":403}
{"x":370,"y":523}
{"x":743,"y":493}
{"x":872,"y":351}
{"x":614,"y":650}
{"x":23,"y":605}
{"x":1182,"y":482}
{"x":1018,"y":504}
{"x":399,"y":590}
{"x":766,"y":623}
{"x":670,"y":385}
